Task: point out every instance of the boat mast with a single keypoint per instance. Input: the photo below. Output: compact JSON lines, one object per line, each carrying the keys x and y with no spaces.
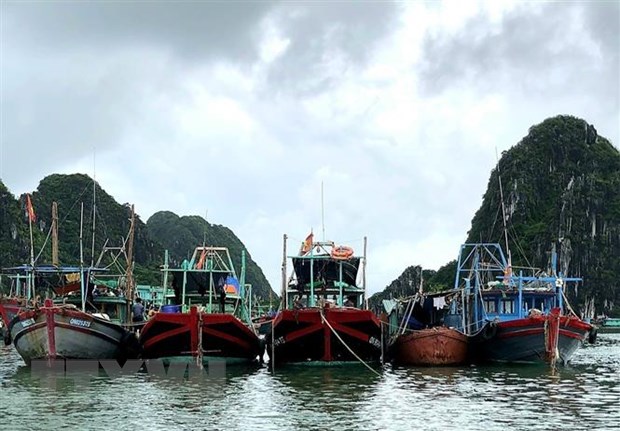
{"x":54,"y":234}
{"x":82,"y":257}
{"x":501,"y":196}
{"x":364,"y":273}
{"x":30,"y":217}
{"x":129,"y":270}
{"x":322,"y":212}
{"x":284,"y":299}
{"x":92,"y":259}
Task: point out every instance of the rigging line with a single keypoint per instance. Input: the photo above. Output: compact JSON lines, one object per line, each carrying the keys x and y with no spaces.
{"x":72,"y":206}
{"x":345,"y":345}
{"x":519,"y":247}
{"x":49,"y":232}
{"x":501,"y":195}
{"x":494,"y":221}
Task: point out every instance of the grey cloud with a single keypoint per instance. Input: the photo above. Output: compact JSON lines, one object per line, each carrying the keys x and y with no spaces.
{"x":529,"y":52}
{"x":76,"y":75}
{"x":325,"y":39}
{"x":190,"y":29}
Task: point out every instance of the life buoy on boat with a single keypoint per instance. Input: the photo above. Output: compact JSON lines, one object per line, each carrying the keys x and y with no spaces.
{"x":342,"y":252}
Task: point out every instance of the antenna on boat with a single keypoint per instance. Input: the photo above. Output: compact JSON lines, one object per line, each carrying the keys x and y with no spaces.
{"x":364,"y":273}
{"x":82,"y":257}
{"x":92,"y":252}
{"x":81,"y":237}
{"x":129,"y":271}
{"x":283,"y":299}
{"x":322,"y":212}
{"x":501,"y":196}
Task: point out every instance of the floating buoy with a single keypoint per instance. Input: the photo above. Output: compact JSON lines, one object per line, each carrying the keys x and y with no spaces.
{"x":342,"y":252}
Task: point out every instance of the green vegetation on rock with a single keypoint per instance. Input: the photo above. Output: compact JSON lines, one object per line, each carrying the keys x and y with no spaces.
{"x":112,"y":222}
{"x":561,"y":186}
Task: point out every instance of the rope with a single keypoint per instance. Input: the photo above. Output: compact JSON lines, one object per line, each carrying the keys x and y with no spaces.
{"x":199,"y":347}
{"x":348,"y":348}
{"x":568,"y":303}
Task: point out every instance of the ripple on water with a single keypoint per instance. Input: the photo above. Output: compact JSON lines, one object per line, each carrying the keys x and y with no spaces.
{"x":584,"y":395}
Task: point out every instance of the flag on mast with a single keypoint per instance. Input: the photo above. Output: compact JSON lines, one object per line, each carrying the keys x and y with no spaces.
{"x":31,"y":215}
{"x":306,"y":246}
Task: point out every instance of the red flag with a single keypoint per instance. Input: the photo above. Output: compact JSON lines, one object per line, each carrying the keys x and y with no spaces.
{"x":307,"y":244}
{"x":31,"y":215}
{"x":201,"y":260}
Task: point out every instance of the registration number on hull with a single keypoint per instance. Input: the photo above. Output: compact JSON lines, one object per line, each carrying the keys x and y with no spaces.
{"x":79,"y":322}
{"x":27,"y":322}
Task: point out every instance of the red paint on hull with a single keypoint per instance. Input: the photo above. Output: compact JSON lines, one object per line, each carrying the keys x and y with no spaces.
{"x":433,"y":346}
{"x":305,"y":335}
{"x":194,"y":333}
{"x":541,"y":338}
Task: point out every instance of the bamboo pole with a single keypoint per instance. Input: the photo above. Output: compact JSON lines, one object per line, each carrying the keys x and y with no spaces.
{"x":364,"y":273}
{"x":284,"y":300}
{"x":54,"y":234}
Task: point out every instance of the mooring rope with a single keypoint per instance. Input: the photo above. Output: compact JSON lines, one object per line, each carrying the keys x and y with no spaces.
{"x":348,"y":348}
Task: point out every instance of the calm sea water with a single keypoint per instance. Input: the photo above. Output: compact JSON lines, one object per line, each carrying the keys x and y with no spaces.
{"x":585,"y":395}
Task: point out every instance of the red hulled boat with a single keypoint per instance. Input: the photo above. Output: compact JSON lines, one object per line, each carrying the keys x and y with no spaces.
{"x":422,"y":335}
{"x":518,"y":318}
{"x":432,"y":346}
{"x":323,"y":319}
{"x":206,"y":314}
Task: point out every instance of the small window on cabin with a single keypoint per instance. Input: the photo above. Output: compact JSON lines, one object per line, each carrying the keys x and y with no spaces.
{"x":508,"y":306}
{"x":489,"y":306}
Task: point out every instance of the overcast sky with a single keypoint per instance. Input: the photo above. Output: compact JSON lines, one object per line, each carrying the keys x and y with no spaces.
{"x":243,"y":109}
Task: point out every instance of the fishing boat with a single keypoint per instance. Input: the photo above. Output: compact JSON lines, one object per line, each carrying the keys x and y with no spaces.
{"x":422,"y":335}
{"x":205,"y":314}
{"x":517,"y":318}
{"x":10,"y":305}
{"x":324,"y":318}
{"x":85,"y":311}
{"x":72,"y":326}
{"x":608,"y":324}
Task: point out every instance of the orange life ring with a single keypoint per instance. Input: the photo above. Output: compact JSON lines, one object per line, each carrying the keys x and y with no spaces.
{"x":342,"y":252}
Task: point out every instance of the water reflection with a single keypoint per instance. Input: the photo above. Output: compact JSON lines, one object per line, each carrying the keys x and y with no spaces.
{"x":584,"y":395}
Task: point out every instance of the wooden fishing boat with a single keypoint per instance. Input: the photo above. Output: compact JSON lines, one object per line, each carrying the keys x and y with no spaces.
{"x":206,"y":314}
{"x":9,"y":307}
{"x":89,"y":323}
{"x":420,"y":335}
{"x":517,"y":318}
{"x":537,"y":338}
{"x":330,"y":324}
{"x":431,"y":346}
{"x":65,"y":332}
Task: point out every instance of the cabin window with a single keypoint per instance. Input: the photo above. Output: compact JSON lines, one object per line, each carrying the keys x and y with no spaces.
{"x":508,"y":306}
{"x":489,"y":306}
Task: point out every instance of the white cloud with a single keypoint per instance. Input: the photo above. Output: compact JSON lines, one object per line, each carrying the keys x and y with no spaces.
{"x":398,"y":111}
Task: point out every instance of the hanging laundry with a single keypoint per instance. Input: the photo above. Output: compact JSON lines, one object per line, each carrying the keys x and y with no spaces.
{"x":439,"y":302}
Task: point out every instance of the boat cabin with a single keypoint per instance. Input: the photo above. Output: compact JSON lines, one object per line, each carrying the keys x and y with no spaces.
{"x":324,"y":274}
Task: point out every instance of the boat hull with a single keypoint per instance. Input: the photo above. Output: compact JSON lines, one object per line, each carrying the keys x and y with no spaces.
{"x":9,"y":307}
{"x":528,"y":340}
{"x":188,"y":336}
{"x":62,"y":332}
{"x":309,"y":336}
{"x":432,"y":346}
